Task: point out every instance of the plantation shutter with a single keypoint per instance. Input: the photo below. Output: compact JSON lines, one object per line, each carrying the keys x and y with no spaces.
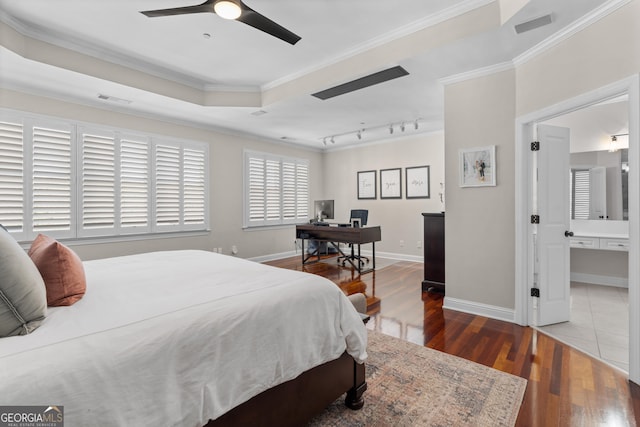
{"x":272,"y":190}
{"x":98,"y":185}
{"x":167,"y":168}
{"x":52,"y":181}
{"x":580,"y":194}
{"x":75,"y":181}
{"x":302,"y":191}
{"x":12,"y":202}
{"x":194,"y":186}
{"x":276,"y":190}
{"x":135,"y":185}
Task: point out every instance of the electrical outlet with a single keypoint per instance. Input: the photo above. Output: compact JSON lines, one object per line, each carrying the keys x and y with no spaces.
{"x":234,"y":249}
{"x":219,"y":250}
{"x":419,"y":244}
{"x":402,"y":243}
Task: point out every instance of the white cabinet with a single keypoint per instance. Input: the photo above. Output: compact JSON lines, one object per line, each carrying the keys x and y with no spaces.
{"x":606,"y":243}
{"x":614,"y":244}
{"x":584,"y":242}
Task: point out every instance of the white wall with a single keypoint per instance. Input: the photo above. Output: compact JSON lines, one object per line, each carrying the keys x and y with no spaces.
{"x":226,"y":156}
{"x":400,"y":219}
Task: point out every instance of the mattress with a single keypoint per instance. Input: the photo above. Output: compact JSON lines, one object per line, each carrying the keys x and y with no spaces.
{"x":177,"y":338}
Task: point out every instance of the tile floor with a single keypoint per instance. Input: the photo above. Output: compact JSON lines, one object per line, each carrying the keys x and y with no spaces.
{"x":599,"y":323}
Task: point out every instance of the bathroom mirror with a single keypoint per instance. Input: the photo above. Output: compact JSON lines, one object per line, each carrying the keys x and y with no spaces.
{"x":599,"y":185}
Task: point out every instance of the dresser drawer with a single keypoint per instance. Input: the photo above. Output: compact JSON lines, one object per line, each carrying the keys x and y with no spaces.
{"x":614,"y":244}
{"x":584,"y":242}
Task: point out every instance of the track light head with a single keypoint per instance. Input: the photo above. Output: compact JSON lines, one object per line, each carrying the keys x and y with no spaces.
{"x":324,"y":141}
{"x":415,"y":125}
{"x":390,"y":129}
{"x":359,"y":134}
{"x":333,"y":141}
{"x":402,"y":126}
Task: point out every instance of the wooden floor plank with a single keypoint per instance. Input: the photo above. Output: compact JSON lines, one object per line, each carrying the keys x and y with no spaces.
{"x":565,"y":386}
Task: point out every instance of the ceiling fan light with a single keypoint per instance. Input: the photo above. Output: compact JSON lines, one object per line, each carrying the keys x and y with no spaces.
{"x":227,"y":9}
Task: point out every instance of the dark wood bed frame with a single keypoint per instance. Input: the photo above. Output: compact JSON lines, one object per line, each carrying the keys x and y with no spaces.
{"x":296,"y":402}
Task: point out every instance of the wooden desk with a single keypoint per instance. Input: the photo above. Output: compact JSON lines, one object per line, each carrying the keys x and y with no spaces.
{"x":334,"y":234}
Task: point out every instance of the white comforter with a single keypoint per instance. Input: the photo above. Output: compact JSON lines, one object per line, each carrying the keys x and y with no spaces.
{"x":177,"y":338}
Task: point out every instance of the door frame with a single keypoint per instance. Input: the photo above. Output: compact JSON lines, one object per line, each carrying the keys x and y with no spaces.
{"x":524,"y":251}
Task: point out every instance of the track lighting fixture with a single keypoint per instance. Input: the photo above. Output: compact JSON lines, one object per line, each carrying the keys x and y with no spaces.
{"x":373,"y":130}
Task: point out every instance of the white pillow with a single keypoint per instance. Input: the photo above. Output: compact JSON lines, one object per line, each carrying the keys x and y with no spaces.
{"x":23,"y":297}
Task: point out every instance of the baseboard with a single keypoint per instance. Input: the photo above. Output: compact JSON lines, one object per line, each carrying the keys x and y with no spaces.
{"x":273,"y":257}
{"x":479,"y":309}
{"x":594,"y":279}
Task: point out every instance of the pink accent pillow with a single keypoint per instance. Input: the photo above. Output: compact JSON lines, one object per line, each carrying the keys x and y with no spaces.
{"x":61,"y":270}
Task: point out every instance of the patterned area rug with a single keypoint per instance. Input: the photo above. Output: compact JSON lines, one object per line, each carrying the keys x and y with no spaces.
{"x":411,"y":385}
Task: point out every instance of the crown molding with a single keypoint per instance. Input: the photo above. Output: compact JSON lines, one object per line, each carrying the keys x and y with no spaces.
{"x":85,"y":47}
{"x":129,"y":111}
{"x":578,"y":25}
{"x":421,"y":24}
{"x":478,"y":72}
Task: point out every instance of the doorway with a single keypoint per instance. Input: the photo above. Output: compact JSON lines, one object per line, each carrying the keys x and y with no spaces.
{"x":598,"y":210}
{"x":525,"y":249}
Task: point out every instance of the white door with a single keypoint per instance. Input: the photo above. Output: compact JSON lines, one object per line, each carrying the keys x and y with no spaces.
{"x":552,"y":244}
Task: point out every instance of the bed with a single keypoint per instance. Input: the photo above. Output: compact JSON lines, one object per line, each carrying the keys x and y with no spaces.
{"x":190,"y":338}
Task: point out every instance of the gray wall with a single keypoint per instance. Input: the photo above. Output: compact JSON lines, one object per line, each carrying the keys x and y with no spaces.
{"x":480,"y":221}
{"x":400,"y":219}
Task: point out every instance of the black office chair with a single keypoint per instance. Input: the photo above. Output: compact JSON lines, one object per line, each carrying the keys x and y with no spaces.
{"x":358,"y":218}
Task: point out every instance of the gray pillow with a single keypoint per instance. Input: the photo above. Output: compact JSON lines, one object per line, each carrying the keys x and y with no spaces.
{"x":23,"y":297}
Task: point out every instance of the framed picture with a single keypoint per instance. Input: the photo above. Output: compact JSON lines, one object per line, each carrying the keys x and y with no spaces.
{"x":478,"y":166}
{"x":390,"y":183}
{"x":417,"y":183}
{"x":367,"y":185}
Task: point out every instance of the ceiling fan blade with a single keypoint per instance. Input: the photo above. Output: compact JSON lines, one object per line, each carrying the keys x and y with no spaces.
{"x":207,"y":6}
{"x":262,"y":23}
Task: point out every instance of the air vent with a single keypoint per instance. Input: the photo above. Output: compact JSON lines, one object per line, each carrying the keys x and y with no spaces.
{"x":113,"y":99}
{"x":362,"y":82}
{"x":533,"y":24}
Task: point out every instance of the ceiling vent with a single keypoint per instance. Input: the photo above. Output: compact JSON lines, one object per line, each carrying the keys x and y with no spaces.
{"x":533,"y":24}
{"x":113,"y":99}
{"x":362,"y":82}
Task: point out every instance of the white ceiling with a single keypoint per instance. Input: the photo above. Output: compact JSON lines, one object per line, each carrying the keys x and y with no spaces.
{"x":341,"y":41}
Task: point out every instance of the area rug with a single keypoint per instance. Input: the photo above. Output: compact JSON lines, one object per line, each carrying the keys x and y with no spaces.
{"x":411,"y":385}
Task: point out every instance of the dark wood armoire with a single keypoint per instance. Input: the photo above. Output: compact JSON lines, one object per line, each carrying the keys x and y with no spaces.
{"x":433,"y":252}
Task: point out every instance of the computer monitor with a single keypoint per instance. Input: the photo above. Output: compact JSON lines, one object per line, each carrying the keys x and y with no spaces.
{"x":323,"y":209}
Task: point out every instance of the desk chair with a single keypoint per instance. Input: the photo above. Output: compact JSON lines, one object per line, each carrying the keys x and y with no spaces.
{"x":361,"y":216}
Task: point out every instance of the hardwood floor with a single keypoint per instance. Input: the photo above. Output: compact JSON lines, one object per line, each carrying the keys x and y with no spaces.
{"x":565,"y":386}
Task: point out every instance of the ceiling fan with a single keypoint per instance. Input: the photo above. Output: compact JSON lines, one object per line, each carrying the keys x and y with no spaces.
{"x":231,"y":9}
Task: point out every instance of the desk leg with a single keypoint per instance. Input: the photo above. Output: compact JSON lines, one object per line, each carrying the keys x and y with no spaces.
{"x":373,"y":254}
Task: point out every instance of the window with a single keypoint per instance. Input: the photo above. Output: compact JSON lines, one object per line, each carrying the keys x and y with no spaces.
{"x":579,"y":195}
{"x":276,"y":189}
{"x":76,"y":181}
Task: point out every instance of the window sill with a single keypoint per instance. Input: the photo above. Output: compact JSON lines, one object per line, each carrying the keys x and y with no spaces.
{"x":126,"y":238}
